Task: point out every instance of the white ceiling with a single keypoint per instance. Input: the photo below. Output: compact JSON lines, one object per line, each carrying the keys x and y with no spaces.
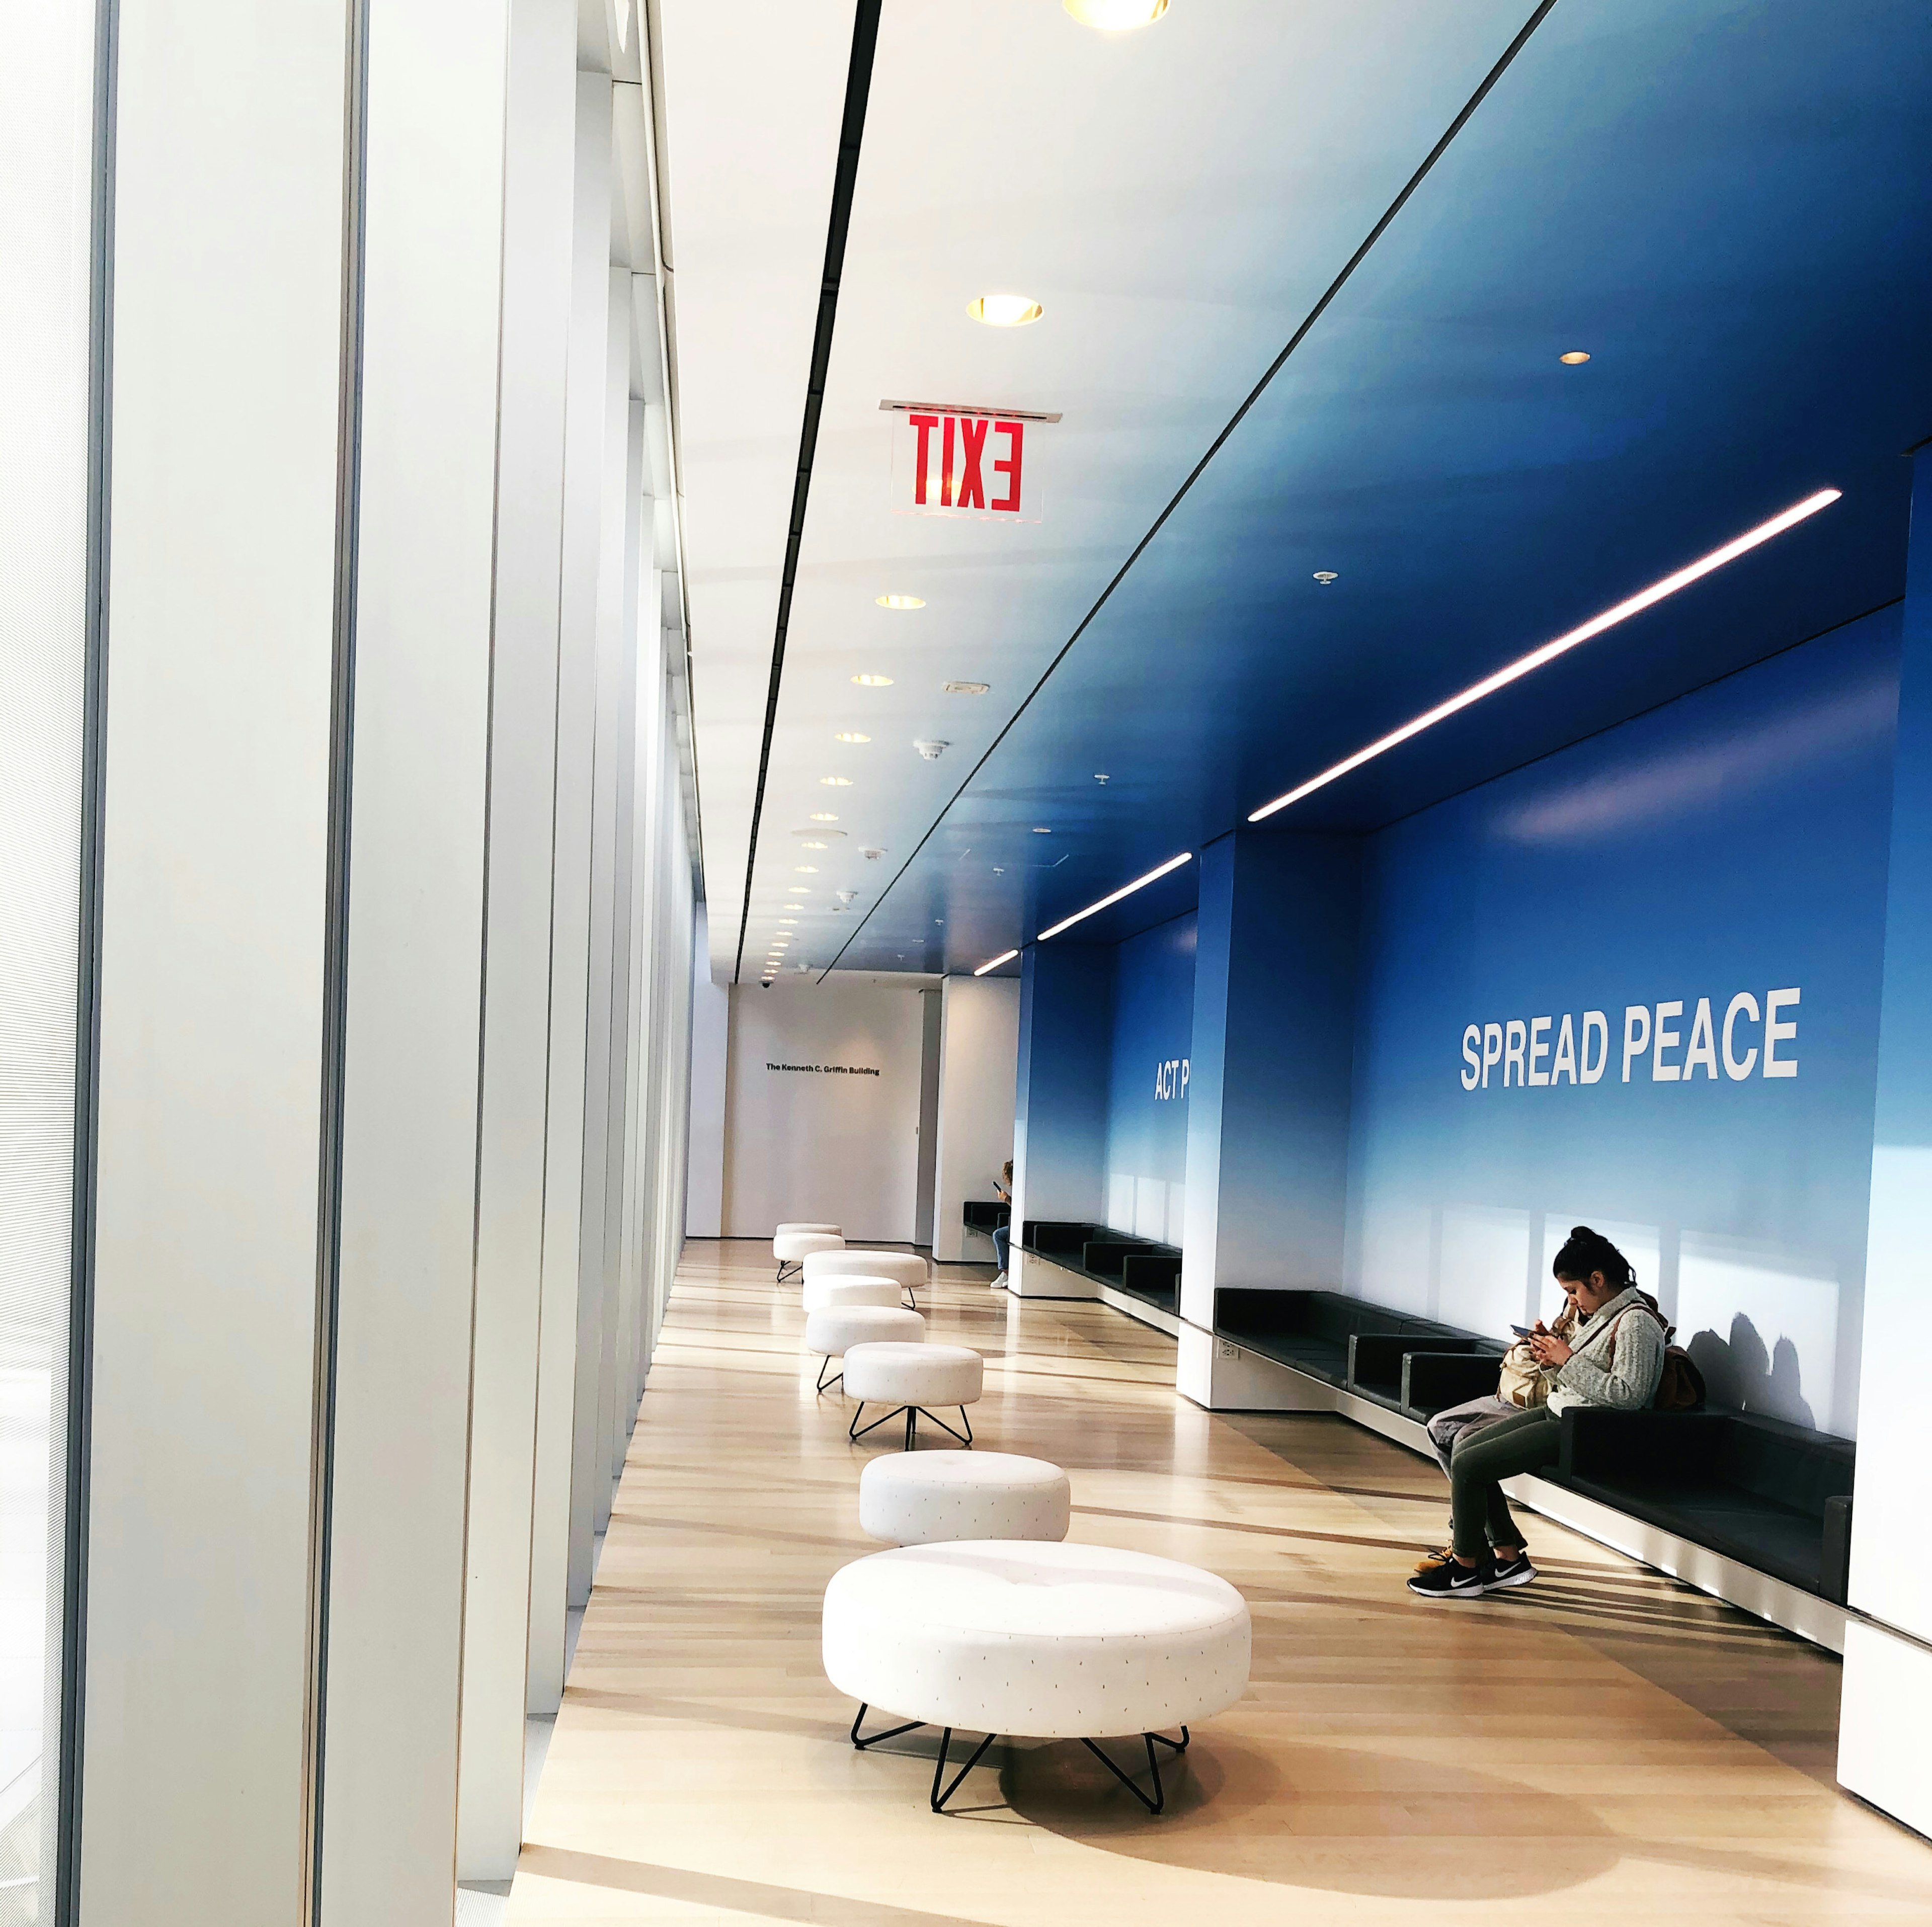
{"x":1178,"y":198}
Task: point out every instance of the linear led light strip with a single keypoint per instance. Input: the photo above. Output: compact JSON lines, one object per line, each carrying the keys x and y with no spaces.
{"x":1597,"y":625}
{"x":1125,"y":890}
{"x":993,"y":964}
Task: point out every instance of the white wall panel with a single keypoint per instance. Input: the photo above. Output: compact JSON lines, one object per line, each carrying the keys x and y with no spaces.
{"x":419,"y":771}
{"x":837,"y":1137}
{"x":537,"y":207}
{"x":221,"y":656}
{"x":586,"y":418}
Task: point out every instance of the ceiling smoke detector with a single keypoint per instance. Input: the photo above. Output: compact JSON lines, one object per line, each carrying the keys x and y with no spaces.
{"x":932,"y":748}
{"x":844,"y":896}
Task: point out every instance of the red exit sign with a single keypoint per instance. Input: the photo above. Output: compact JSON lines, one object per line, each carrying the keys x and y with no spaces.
{"x":952,"y":460}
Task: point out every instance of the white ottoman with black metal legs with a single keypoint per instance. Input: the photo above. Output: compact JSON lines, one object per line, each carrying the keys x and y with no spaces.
{"x":837,"y":1328}
{"x":913,"y":1379}
{"x":799,"y":1224}
{"x":911,"y":1269}
{"x":925,"y":1498}
{"x":820,"y":1294}
{"x":791,"y":1248}
{"x":1038,"y":1642}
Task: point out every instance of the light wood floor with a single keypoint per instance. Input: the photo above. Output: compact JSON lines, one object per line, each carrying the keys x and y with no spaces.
{"x":1601,"y":1746}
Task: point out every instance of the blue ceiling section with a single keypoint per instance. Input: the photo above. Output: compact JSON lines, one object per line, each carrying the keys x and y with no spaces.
{"x":1729,"y":206}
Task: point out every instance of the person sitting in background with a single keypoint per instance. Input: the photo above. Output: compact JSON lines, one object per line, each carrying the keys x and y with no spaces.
{"x":1616,"y":1361}
{"x":1003,"y":1234}
{"x":1521,"y":1383}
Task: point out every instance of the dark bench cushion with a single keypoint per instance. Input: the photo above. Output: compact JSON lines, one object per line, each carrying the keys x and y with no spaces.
{"x":1772,"y":1496}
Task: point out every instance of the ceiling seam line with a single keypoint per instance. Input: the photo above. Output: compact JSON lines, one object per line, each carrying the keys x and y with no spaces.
{"x":1235,"y":420}
{"x":851,"y":133}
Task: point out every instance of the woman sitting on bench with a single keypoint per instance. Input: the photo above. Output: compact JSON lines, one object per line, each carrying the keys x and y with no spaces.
{"x":1611,"y":1360}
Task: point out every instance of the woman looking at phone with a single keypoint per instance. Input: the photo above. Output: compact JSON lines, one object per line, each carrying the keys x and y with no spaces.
{"x":1610,"y":1359}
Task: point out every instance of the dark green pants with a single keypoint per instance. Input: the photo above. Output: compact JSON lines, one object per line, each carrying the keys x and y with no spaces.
{"x":1479,"y":1514}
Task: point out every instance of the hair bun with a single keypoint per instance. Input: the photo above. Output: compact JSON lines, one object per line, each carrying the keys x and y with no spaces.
{"x":1581,"y":1231}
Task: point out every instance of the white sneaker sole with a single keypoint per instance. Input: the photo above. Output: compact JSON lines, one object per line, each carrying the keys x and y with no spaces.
{"x":1522,"y":1579}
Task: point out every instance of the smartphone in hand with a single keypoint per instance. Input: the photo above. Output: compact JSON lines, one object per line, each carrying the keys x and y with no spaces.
{"x":1523,"y":1331}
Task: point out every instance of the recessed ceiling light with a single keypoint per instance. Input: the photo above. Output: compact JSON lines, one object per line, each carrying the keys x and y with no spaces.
{"x":1645,"y":598}
{"x":994,"y":963}
{"x":798,"y":890}
{"x":836,"y":782}
{"x":964,"y":688}
{"x":850,"y":736}
{"x":873,"y":681}
{"x":1574,"y":359}
{"x":788,"y":919}
{"x":1325,"y":576}
{"x":901,"y":601}
{"x":814,"y":843}
{"x":1116,"y":16}
{"x":805,"y":870}
{"x":824,"y":816}
{"x":1005,"y":310}
{"x":1041,"y":829}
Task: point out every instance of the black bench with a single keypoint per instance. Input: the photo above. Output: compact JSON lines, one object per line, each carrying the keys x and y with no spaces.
{"x":1142,"y":1267}
{"x":1772,"y":1496}
{"x":1348,"y":1342}
{"x":985,"y":1214}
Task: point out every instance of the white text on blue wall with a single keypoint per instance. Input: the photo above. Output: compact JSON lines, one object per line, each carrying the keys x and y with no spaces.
{"x":1554,"y":1051}
{"x":1170,"y":1078}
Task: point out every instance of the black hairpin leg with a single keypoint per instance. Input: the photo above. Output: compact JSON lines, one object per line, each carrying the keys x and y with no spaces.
{"x":790,"y":1265}
{"x":965,"y":1438}
{"x":826,"y":1384}
{"x":891,"y":1732}
{"x":855,"y":1431}
{"x":1158,"y":1800}
{"x":939,"y":1799}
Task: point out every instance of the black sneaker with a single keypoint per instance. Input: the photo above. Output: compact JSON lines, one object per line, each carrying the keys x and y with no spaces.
{"x":1453,"y":1581}
{"x":1518,"y":1572}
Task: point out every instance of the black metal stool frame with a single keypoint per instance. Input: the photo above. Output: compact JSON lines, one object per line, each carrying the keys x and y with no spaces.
{"x":855,"y":1431}
{"x":943,"y":1790}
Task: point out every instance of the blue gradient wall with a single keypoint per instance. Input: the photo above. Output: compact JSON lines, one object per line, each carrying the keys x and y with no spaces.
{"x":1149,"y":1071}
{"x":1732,"y":842}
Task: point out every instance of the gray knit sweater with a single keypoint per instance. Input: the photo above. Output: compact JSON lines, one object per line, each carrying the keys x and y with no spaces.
{"x":1622,"y":1375}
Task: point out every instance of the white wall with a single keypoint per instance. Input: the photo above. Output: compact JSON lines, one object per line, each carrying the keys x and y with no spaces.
{"x":822,"y":1143}
{"x":710,"y":1044}
{"x":979,"y":1059}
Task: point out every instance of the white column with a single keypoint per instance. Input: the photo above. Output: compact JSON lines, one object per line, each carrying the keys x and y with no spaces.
{"x":586,"y":417}
{"x":710,"y":1031}
{"x":418,"y":776}
{"x":978,"y":1058}
{"x":227,"y":357}
{"x":537,"y":204}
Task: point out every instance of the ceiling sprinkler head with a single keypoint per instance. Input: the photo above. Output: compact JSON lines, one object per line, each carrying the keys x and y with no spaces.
{"x":1325,"y":576}
{"x":932,"y":749}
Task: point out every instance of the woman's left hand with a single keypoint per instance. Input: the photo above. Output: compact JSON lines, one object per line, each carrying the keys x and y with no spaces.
{"x":1550,"y":1350}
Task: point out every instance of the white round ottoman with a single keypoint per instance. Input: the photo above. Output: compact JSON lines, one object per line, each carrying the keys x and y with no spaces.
{"x":913,"y":1379}
{"x":1036,"y":1641}
{"x":791,"y":1248}
{"x":799,"y":1224}
{"x":910,"y":1268}
{"x":835,"y":1330}
{"x":920,"y":1498}
{"x":821,"y":1293}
